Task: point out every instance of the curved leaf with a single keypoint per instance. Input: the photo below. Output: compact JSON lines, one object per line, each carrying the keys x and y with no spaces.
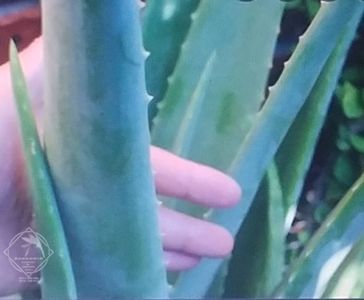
{"x":57,"y":276}
{"x":283,"y":104}
{"x":310,"y":274}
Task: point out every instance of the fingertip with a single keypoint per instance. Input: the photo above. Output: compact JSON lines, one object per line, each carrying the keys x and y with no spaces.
{"x":180,"y":261}
{"x":233,"y":192}
{"x":227,"y":243}
{"x":196,"y":237}
{"x":226,"y":192}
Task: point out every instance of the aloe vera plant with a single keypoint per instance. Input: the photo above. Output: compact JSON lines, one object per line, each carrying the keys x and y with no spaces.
{"x":92,"y":184}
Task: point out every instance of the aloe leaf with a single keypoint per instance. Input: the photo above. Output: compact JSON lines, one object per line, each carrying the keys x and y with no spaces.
{"x":310,"y":274}
{"x":97,"y":144}
{"x":283,"y":104}
{"x":165,"y":27}
{"x":347,"y":281}
{"x":217,"y":286}
{"x":57,"y":276}
{"x":299,"y":144}
{"x":236,"y":88}
{"x":257,"y":263}
{"x":186,"y":131}
{"x":234,"y":91}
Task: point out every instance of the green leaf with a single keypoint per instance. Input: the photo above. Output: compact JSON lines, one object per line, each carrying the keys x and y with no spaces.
{"x":296,"y":152}
{"x":345,"y":169}
{"x":309,"y":276}
{"x":351,"y":101}
{"x":321,"y":212}
{"x":235,"y":90}
{"x":343,"y":140}
{"x":165,"y":27}
{"x":348,"y":281}
{"x":97,"y":143}
{"x":312,"y":7}
{"x":334,"y":20}
{"x":352,"y":74}
{"x":57,"y":275}
{"x":257,"y":263}
{"x":335,"y":190}
{"x":186,"y":131}
{"x":357,"y":141}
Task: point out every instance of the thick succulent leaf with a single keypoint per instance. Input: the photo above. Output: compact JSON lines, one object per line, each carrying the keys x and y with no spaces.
{"x":57,"y":276}
{"x":97,"y":143}
{"x":257,"y":263}
{"x":327,"y":249}
{"x":234,"y":91}
{"x":295,"y":154}
{"x":283,"y":104}
{"x":348,"y":281}
{"x":186,"y":130}
{"x":217,"y":286}
{"x":236,"y":88}
{"x":165,"y":26}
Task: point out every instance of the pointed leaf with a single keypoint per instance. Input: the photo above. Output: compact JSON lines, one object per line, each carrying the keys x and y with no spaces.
{"x":58,"y":276}
{"x":165,"y":27}
{"x":283,"y":104}
{"x":310,"y":274}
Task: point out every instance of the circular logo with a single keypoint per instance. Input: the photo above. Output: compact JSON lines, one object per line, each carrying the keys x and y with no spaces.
{"x":28,"y":252}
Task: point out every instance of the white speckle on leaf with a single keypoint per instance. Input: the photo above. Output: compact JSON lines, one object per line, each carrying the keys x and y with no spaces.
{"x":207,"y":214}
{"x":168,"y":11}
{"x":32,"y":148}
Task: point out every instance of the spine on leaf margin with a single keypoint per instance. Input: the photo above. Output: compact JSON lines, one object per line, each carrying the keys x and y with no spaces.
{"x":276,"y":117}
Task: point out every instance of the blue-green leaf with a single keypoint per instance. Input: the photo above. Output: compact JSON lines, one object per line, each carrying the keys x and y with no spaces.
{"x":57,"y":275}
{"x":165,"y":27}
{"x":309,"y":276}
{"x":97,"y":143}
{"x":235,"y":90}
{"x":283,"y":104}
{"x":257,"y":263}
{"x":348,"y":281}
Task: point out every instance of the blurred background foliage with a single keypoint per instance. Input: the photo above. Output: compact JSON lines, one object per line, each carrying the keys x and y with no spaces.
{"x":338,"y":159}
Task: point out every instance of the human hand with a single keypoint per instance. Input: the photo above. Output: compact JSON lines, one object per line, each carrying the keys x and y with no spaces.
{"x":185,"y":239}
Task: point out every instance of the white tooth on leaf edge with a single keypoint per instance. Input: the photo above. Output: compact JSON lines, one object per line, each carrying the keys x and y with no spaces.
{"x":141,"y":4}
{"x":170,"y":80}
{"x":207,"y":214}
{"x":194,"y":16}
{"x":149,"y":98}
{"x":161,"y":104}
{"x":146,"y":53}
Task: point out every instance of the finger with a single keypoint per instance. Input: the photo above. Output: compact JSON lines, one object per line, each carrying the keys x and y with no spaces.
{"x":180,"y":178}
{"x":193,"y":236}
{"x":179,"y":261}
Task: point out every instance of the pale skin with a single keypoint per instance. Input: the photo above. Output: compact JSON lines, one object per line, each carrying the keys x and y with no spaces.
{"x":185,"y":239}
